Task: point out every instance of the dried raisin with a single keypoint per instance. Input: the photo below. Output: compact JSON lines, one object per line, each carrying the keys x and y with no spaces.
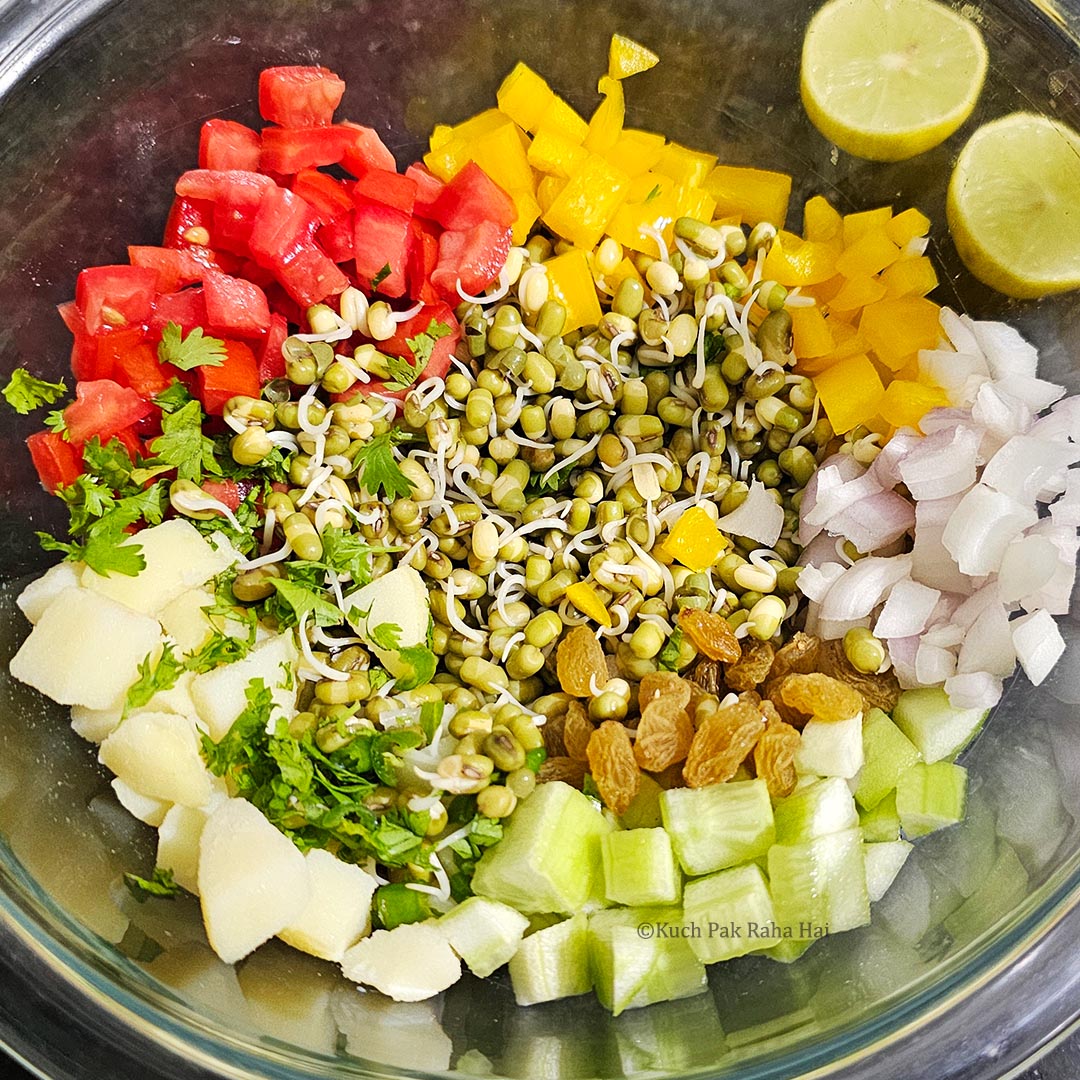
{"x":664,"y":735}
{"x":710,"y":633}
{"x":821,"y":696}
{"x":752,"y":668}
{"x":613,"y":766}
{"x":722,"y":743}
{"x":580,"y":663}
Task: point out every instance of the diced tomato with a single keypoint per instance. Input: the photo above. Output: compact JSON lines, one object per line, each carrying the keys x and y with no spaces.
{"x":299,"y":96}
{"x":174,"y":268}
{"x":281,"y":303}
{"x":84,"y":358}
{"x":235,"y":186}
{"x":237,"y":375}
{"x":102,"y":407}
{"x":472,"y":197}
{"x":125,"y":357}
{"x":363,"y":149}
{"x":225,"y":491}
{"x":256,"y":273}
{"x":72,"y":317}
{"x":271,"y":361}
{"x":388,"y":188}
{"x":131,"y":441}
{"x":338,"y":240}
{"x":56,"y":460}
{"x":187,"y":214}
{"x":309,"y":277}
{"x":428,"y":189}
{"x":225,"y":144}
{"x":439,"y":363}
{"x":284,"y":224}
{"x":381,"y":238}
{"x":235,"y":307}
{"x":475,"y":257}
{"x":422,"y":260}
{"x":186,"y":308}
{"x":329,"y":198}
{"x":104,"y":294}
{"x":288,"y":150}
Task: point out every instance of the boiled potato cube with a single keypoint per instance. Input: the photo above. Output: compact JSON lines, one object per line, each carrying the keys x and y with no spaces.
{"x":95,"y":725}
{"x":398,"y":599}
{"x":152,"y":811}
{"x":86,"y":649}
{"x":409,"y":963}
{"x":185,"y":621}
{"x":179,"y":834}
{"x":42,"y":591}
{"x":252,"y":880}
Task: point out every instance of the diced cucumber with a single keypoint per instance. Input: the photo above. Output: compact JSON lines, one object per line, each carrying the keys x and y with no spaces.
{"x":938,"y":730}
{"x":815,"y":809}
{"x":640,"y":867}
{"x":883,"y":863}
{"x":484,"y":933}
{"x":887,"y":752}
{"x":819,"y":886}
{"x":552,"y":963}
{"x":882,"y":823}
{"x":639,"y":956}
{"x":831,"y":748}
{"x":718,"y":826}
{"x":644,"y":811}
{"x":1005,"y":886}
{"x":549,"y":856}
{"x":931,"y":797}
{"x":966,"y":852}
{"x":787,"y":952}
{"x":728,"y":914}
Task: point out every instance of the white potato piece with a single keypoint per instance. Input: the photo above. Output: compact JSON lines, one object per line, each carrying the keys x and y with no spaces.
{"x":158,"y":755}
{"x":252,"y":880}
{"x":42,"y":591}
{"x":95,"y":725}
{"x":339,"y":911}
{"x":220,"y":695}
{"x":399,"y":599}
{"x":177,"y":559}
{"x":179,"y":834}
{"x":185,"y":621}
{"x":86,"y":649}
{"x":409,"y":963}
{"x":152,"y":811}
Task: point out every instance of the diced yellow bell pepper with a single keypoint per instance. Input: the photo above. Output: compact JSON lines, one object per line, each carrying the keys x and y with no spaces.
{"x":811,"y":334}
{"x":850,"y":392}
{"x":685,"y":166}
{"x":582,"y":210}
{"x":500,"y":154}
{"x":584,"y":597}
{"x":572,"y":285}
{"x":561,"y":118}
{"x":910,"y":277}
{"x":636,"y":152}
{"x":907,"y":225}
{"x":482,"y":123}
{"x":895,"y":329}
{"x":695,"y":541}
{"x":548,"y":190}
{"x":792,"y":261}
{"x":857,"y":224}
{"x":754,"y":194}
{"x":449,"y":159}
{"x":626,"y":225}
{"x":694,"y":202}
{"x":824,"y":291}
{"x":524,"y":96}
{"x":848,"y":343}
{"x":441,"y":134}
{"x":625,"y":269}
{"x":528,"y":210}
{"x":627,"y":57}
{"x":869,"y":255}
{"x":822,"y":221}
{"x":606,"y":123}
{"x":905,"y":403}
{"x":856,"y":293}
{"x":551,"y":153}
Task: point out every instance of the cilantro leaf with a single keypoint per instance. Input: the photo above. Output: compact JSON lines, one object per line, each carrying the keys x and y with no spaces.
{"x":56,"y":422}
{"x":153,"y":679}
{"x":347,"y":553}
{"x":380,"y":277}
{"x":403,"y":373}
{"x":386,"y":635}
{"x":182,"y":443}
{"x":305,"y":601}
{"x":160,"y":886}
{"x":192,"y":351}
{"x":376,"y":468}
{"x":110,"y":463}
{"x":177,"y":396}
{"x":25,"y":392}
{"x":669,"y":654}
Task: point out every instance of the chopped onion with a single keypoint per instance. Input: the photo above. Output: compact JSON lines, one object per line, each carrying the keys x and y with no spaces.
{"x":977,"y":690}
{"x":815,"y":583}
{"x":907,"y":610}
{"x":760,"y":517}
{"x":982,"y":527}
{"x":1036,"y":394}
{"x":943,"y":465}
{"x":1038,"y":643}
{"x":988,"y":644}
{"x":1028,"y":565}
{"x":958,"y":332}
{"x":1006,"y":352}
{"x":1001,"y":414}
{"x":886,"y":466}
{"x":875,"y":522}
{"x":959,"y":374}
{"x":862,"y":587}
{"x":933,"y":664}
{"x":902,"y":653}
{"x":833,"y":499}
{"x":1025,"y":467}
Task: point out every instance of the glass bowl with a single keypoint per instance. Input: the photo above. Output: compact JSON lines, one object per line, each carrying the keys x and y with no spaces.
{"x":100,"y":107}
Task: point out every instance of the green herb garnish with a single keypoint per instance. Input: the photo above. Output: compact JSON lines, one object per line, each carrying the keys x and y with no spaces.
{"x":26,"y":392}
{"x":195,"y":350}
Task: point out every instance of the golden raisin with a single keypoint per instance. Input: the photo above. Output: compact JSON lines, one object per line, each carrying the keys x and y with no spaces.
{"x":664,"y":735}
{"x":552,"y":730}
{"x":613,"y":766}
{"x":821,"y":696}
{"x":577,"y":730}
{"x":797,"y":657}
{"x":663,"y":684}
{"x":580,"y":663}
{"x":880,"y":691}
{"x":752,"y":668}
{"x":774,"y":757}
{"x":708,"y":675}
{"x":565,"y":769}
{"x":710,"y":633}
{"x":722,"y":743}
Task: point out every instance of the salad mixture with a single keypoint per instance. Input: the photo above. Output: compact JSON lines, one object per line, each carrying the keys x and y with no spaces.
{"x":477,"y":563}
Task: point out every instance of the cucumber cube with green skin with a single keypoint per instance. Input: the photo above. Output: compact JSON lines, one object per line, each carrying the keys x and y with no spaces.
{"x":552,"y":963}
{"x":787,"y":952}
{"x":815,"y":809}
{"x":882,"y":823}
{"x":1005,"y":886}
{"x":640,"y":956}
{"x":938,"y":730}
{"x":883,"y":863}
{"x":887,"y":752}
{"x":819,"y":886}
{"x":484,"y":933}
{"x":931,"y":797}
{"x":831,"y":748}
{"x":549,"y":857}
{"x":640,"y":867}
{"x":718,"y":826}
{"x":728,"y":914}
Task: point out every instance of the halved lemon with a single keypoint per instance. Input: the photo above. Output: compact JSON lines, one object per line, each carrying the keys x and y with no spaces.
{"x":1014,"y":205}
{"x":888,"y":79}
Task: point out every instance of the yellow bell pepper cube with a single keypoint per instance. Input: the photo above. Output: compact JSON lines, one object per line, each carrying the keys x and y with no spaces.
{"x":482,"y":123}
{"x":896,"y":329}
{"x":905,"y":403}
{"x":811,"y":335}
{"x":584,"y":597}
{"x":449,"y":159}
{"x":500,"y":154}
{"x":551,"y":153}
{"x":694,"y":202}
{"x":848,"y":343}
{"x":524,"y":96}
{"x":695,"y":541}
{"x":793,"y":261}
{"x":850,"y":392}
{"x":685,"y":166}
{"x":626,"y":226}
{"x":636,"y":152}
{"x":754,"y":194}
{"x":649,"y":186}
{"x":822,"y":221}
{"x":627,"y":57}
{"x":572,"y":285}
{"x":910,"y":277}
{"x":625,"y":269}
{"x":857,"y":224}
{"x":907,"y":225}
{"x":582,"y":210}
{"x":869,"y":255}
{"x":441,"y":134}
{"x":528,"y":210}
{"x":606,"y":123}
{"x":548,"y":190}
{"x":856,"y":293}
{"x":559,"y":117}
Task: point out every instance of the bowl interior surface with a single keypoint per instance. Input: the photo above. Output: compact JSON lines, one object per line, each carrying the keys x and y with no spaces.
{"x":100,"y":112}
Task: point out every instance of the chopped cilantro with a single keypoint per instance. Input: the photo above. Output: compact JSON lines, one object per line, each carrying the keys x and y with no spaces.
{"x":669,"y":654}
{"x":183,"y":445}
{"x":160,"y":886}
{"x":386,"y":635}
{"x":56,"y":422}
{"x":195,"y":350}
{"x":380,"y":277}
{"x":25,"y":392}
{"x":153,"y":678}
{"x":376,"y":468}
{"x":300,"y":600}
{"x":177,"y":396}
